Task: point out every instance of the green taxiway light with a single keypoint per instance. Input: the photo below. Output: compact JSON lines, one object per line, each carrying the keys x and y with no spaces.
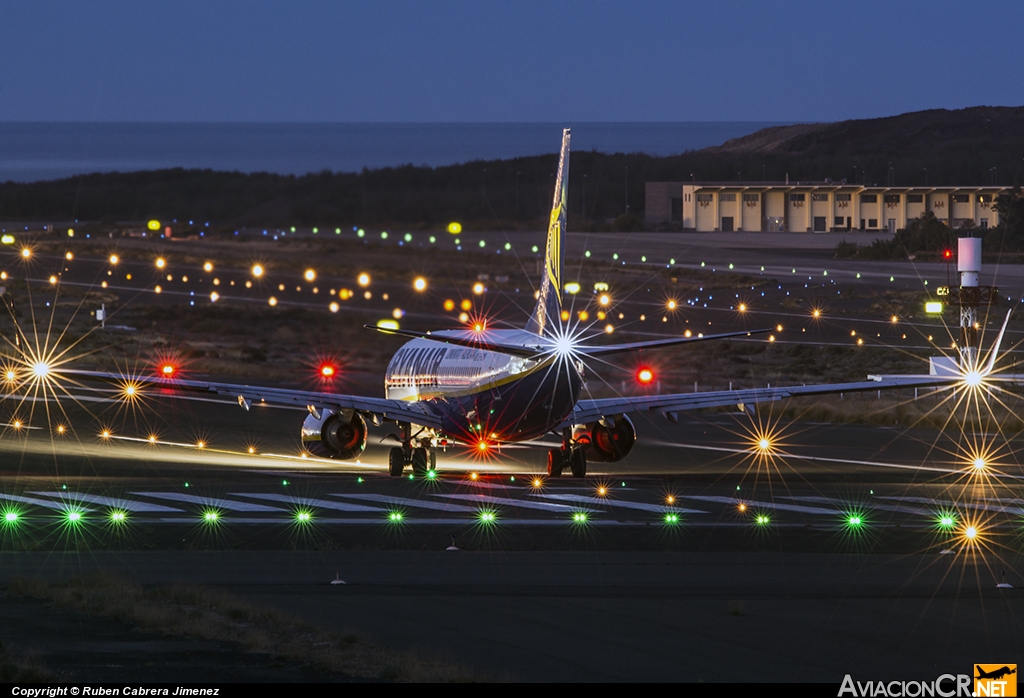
{"x":411,"y":476}
{"x":361,"y":232}
{"x":10,"y":517}
{"x":284,"y":483}
{"x":211,"y":517}
{"x":74,"y":516}
{"x":946,"y":521}
{"x":431,"y":474}
{"x":854,"y":521}
{"x":671,"y":518}
{"x":118,"y":517}
{"x":579,"y":517}
{"x":359,"y":479}
{"x":487,"y":517}
{"x":408,"y":237}
{"x":303,"y":516}
{"x":433,"y":239}
{"x":395,"y":517}
{"x":762,"y":520}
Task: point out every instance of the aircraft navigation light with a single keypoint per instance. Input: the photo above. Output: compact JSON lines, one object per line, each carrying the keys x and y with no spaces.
{"x":478,"y":288}
{"x":310,"y":275}
{"x":645,"y":375}
{"x":363,"y":279}
{"x":40,"y":369}
{"x":420,"y":284}
{"x":26,"y":252}
{"x":257,"y":270}
{"x":114,"y":259}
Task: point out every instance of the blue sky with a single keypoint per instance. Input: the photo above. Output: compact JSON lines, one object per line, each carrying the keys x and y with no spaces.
{"x":402,"y":61}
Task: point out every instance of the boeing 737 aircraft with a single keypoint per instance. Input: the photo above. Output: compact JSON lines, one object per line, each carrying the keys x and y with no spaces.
{"x":496,"y":386}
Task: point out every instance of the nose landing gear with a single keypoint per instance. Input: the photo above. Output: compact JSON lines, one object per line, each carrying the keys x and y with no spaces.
{"x":568,"y":456}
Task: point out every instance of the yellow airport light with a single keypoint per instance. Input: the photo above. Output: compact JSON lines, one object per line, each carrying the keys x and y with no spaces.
{"x":572,"y":288}
{"x":387,"y":324}
{"x":7,"y":239}
{"x":153,"y":225}
{"x":454,"y":228}
{"x":933,"y":307}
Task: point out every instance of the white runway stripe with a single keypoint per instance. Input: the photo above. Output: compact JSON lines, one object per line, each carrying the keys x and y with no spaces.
{"x":209,"y":501}
{"x":40,"y":502}
{"x":405,"y":502}
{"x":305,"y":501}
{"x":506,"y":501}
{"x":767,"y":505}
{"x":657,"y":508}
{"x":960,"y":505}
{"x":126,"y":504}
{"x":872,"y":505}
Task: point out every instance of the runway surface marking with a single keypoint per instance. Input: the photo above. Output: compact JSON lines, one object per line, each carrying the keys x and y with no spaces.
{"x":209,"y":501}
{"x":486,"y":499}
{"x":40,"y":502}
{"x":767,"y":505}
{"x":965,"y":505}
{"x":305,"y":501}
{"x":404,"y":501}
{"x":128,"y":504}
{"x":657,"y":508}
{"x":872,"y":505}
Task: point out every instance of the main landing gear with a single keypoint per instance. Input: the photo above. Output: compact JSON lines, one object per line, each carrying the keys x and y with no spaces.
{"x":421,"y":458}
{"x":567,"y":456}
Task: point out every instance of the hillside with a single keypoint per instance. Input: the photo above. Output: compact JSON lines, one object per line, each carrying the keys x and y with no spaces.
{"x":980,"y":145}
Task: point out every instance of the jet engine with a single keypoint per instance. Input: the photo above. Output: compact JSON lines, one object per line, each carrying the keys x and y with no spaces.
{"x":607,"y":441}
{"x":334,"y":434}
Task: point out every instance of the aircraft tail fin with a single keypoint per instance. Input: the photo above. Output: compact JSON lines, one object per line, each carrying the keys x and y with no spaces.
{"x":549,"y":306}
{"x":995,"y":348}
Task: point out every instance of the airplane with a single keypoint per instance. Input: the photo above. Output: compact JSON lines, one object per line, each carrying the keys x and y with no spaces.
{"x":995,"y":673}
{"x":485,"y":387}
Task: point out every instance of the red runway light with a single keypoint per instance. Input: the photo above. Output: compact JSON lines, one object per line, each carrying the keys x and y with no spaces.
{"x":645,"y":375}
{"x":948,"y":254}
{"x":167,"y":370}
{"x":327,"y":371}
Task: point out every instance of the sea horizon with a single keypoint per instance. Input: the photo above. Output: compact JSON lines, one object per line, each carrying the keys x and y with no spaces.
{"x":46,"y":150}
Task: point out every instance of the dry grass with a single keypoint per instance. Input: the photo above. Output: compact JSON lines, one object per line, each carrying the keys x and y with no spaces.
{"x":23,"y":668}
{"x":197,"y":612}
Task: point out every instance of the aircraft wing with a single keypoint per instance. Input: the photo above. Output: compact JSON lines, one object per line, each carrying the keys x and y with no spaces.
{"x":397,"y":410}
{"x":592,"y":410}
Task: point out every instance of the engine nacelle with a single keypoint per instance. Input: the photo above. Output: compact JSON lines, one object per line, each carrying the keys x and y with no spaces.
{"x":335,"y":435}
{"x":607,"y":441}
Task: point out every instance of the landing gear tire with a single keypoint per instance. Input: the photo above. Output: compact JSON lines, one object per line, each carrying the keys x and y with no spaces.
{"x":556,"y":461}
{"x":578,"y":462}
{"x":432,"y":460}
{"x":396,"y":461}
{"x":419,"y":461}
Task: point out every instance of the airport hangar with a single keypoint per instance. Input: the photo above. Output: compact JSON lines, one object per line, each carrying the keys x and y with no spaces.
{"x":813,"y":207}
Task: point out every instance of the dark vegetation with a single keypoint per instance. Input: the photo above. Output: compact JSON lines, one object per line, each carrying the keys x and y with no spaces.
{"x":981,"y":145}
{"x":928,"y":238}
